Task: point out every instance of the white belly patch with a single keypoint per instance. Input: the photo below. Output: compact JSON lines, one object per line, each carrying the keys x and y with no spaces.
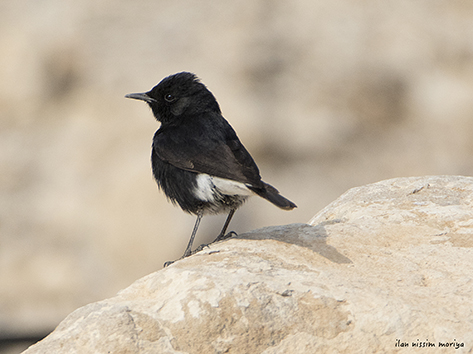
{"x":208,"y":186}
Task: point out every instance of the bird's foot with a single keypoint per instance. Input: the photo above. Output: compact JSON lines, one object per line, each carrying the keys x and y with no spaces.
{"x":187,"y":253}
{"x":224,"y":237}
{"x":198,"y":249}
{"x":168,"y":263}
{"x":202,"y":246}
{"x":219,"y":238}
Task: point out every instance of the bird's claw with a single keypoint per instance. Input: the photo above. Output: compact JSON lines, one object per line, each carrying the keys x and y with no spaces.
{"x":202,"y":246}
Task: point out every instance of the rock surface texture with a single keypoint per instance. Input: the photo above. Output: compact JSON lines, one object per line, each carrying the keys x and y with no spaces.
{"x":384,"y":268}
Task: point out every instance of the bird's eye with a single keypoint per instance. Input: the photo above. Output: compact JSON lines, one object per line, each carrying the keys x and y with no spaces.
{"x":169,"y":98}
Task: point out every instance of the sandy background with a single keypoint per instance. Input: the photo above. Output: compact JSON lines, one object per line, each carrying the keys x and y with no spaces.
{"x":326,"y":95}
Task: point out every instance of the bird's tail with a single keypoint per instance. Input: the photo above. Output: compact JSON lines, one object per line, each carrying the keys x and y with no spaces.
{"x":271,"y":194}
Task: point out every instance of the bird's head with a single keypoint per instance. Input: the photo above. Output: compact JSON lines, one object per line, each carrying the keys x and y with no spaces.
{"x":178,"y":95}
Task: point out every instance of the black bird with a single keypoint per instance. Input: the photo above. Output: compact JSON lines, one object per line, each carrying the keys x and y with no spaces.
{"x":197,"y":158}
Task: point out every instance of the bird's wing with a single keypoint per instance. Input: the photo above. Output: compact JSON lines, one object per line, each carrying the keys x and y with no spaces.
{"x":223,"y":157}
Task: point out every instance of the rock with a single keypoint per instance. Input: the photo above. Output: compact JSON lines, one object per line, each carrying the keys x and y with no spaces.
{"x":387,"y":265}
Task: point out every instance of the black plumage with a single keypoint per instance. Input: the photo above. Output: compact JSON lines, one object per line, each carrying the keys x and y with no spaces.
{"x":197,"y":159}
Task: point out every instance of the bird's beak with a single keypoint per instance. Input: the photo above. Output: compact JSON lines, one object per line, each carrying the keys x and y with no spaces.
{"x":141,"y":96}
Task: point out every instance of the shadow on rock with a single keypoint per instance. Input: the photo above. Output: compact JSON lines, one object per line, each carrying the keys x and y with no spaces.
{"x":304,"y":235}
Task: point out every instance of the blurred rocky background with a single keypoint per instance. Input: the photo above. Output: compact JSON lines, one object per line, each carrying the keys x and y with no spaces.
{"x":326,"y":95}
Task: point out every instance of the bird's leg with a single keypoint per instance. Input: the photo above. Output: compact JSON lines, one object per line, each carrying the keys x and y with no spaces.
{"x":188,"y":250}
{"x":222,"y":235}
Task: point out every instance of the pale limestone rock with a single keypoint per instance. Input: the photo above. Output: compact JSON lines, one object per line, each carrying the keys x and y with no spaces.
{"x":385,"y":262}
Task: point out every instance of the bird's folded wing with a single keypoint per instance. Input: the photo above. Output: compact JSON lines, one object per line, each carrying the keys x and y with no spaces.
{"x":227,"y":159}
